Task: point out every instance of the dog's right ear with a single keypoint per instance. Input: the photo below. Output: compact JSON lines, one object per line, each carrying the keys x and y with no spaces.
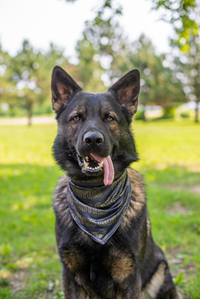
{"x":62,"y":87}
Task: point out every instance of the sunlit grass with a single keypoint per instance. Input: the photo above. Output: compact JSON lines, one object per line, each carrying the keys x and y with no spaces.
{"x":170,"y":161}
{"x":164,"y":144}
{"x":27,"y":145}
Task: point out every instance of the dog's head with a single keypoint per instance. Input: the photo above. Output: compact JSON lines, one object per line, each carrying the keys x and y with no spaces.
{"x":94,"y":137}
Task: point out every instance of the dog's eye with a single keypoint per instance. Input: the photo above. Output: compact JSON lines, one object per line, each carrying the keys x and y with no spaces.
{"x":76,"y":118}
{"x":109,"y":118}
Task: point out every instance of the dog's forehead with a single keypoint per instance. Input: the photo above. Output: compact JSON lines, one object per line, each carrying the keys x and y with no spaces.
{"x":94,"y":101}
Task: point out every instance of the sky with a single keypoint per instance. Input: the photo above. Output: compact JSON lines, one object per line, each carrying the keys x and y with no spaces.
{"x":45,"y":21}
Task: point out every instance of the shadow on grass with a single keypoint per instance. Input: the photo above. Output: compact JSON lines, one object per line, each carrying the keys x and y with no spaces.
{"x":174,"y":205}
{"x":26,"y":205}
{"x":174,"y":209}
{"x":28,"y":179}
{"x":27,"y":239}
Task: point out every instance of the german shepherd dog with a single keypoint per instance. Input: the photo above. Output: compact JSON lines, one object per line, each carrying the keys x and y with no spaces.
{"x":103,"y":229}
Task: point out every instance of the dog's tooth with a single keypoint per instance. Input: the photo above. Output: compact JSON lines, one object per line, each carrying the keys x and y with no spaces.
{"x":87,"y":159}
{"x":101,"y":164}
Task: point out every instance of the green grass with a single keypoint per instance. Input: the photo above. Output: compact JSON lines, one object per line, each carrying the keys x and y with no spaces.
{"x":170,"y":161}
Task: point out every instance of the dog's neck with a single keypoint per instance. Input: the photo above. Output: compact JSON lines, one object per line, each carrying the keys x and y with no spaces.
{"x":91,"y":182}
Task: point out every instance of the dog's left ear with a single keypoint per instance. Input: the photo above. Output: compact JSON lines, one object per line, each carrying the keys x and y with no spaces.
{"x":127,"y":89}
{"x":62,"y":87}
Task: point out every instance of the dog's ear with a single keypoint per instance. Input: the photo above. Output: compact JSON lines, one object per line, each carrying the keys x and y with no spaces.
{"x":62,"y":87}
{"x":127,"y":89}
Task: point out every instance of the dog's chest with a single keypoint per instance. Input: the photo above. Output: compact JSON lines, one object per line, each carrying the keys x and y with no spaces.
{"x":98,"y":262}
{"x":89,"y":261}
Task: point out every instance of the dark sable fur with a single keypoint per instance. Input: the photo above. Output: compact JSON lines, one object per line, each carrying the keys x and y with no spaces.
{"x":130,"y":265}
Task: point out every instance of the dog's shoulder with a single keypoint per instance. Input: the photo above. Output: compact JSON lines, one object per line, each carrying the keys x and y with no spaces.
{"x":137,"y":206}
{"x":59,"y":197}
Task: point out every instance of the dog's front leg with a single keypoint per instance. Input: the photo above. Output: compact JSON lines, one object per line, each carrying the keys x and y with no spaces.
{"x":71,"y":288}
{"x":130,"y":290}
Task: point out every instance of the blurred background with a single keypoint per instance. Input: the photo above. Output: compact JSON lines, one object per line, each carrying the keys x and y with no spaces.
{"x":160,"y":38}
{"x":97,"y":42}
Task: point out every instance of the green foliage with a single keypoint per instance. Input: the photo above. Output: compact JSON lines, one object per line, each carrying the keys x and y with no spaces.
{"x":184,"y":17}
{"x":114,"y":54}
{"x":100,"y":52}
{"x":25,"y":79}
{"x":105,"y":54}
{"x":157,"y":84}
{"x":179,"y":278}
{"x":139,"y":115}
{"x":187,"y":69}
{"x":168,"y":113}
{"x":4,"y":282}
{"x":31,"y":72}
{"x":185,"y":114}
{"x":5,"y":294}
{"x":6,"y":84}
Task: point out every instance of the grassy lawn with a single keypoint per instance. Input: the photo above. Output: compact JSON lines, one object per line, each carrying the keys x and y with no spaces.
{"x":170,"y":161}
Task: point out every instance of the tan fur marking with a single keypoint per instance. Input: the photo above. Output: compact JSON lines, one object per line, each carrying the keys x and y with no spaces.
{"x":73,"y":259}
{"x":121,"y":264}
{"x":115,"y":129}
{"x":157,"y":280}
{"x":138,"y":199}
{"x":148,"y":226}
{"x":56,"y":105}
{"x":137,"y":185}
{"x":179,"y":296}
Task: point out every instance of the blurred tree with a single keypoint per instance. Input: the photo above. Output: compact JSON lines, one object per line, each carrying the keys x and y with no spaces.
{"x":113,"y":6}
{"x":100,"y":51}
{"x":187,"y":69}
{"x":88,"y":68}
{"x":105,"y":53}
{"x":158,"y":85}
{"x":6,"y":85}
{"x":185,"y":18}
{"x":184,"y":15}
{"x":30,"y":72}
{"x":24,"y":70}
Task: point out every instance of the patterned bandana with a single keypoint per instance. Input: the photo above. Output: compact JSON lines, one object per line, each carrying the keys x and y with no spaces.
{"x":100,"y":211}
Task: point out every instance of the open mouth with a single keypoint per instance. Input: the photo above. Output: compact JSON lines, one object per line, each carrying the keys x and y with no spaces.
{"x":96,"y":165}
{"x":88,"y":164}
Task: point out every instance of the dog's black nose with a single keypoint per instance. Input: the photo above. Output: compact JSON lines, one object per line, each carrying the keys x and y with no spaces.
{"x":93,"y":138}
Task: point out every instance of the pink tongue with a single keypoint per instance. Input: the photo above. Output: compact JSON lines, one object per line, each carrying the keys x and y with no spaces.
{"x":107,"y":166}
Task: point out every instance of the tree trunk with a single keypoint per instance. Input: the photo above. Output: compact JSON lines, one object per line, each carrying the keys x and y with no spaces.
{"x":143,"y":115}
{"x":168,"y":113}
{"x":30,"y":113}
{"x":197,"y":112}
